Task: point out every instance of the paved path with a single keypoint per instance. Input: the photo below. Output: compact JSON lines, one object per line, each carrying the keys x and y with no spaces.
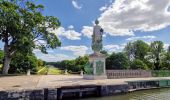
{"x":54,"y":81}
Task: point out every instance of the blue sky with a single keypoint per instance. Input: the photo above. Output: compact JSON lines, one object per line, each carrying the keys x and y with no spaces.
{"x":122,"y":20}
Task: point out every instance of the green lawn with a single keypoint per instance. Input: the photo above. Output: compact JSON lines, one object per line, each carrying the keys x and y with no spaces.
{"x":42,"y":71}
{"x":0,"y":67}
{"x":54,"y":71}
{"x":49,"y":71}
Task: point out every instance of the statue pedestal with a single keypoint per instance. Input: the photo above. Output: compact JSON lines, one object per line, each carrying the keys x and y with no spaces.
{"x":96,"y":68}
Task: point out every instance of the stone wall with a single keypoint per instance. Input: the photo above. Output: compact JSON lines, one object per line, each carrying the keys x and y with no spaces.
{"x":38,"y":94}
{"x":107,"y":90}
{"x":111,"y":74}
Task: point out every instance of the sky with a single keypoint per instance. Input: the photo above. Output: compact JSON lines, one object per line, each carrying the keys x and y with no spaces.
{"x":123,"y":21}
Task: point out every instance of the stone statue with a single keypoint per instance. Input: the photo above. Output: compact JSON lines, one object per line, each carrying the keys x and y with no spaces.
{"x":97,"y":38}
{"x":96,"y":67}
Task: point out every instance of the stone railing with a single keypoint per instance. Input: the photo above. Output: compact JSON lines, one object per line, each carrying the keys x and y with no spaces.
{"x":111,"y":74}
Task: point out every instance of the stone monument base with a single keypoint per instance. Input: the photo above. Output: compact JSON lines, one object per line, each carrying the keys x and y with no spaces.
{"x":96,"y":68}
{"x":94,"y":77}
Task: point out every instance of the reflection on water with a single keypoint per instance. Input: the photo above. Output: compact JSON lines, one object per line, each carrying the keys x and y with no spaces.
{"x":155,"y":94}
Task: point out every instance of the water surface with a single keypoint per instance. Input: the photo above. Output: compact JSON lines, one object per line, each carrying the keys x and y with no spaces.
{"x":154,"y":94}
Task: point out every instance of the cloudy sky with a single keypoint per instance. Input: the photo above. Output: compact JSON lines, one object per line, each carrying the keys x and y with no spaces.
{"x":122,"y":20}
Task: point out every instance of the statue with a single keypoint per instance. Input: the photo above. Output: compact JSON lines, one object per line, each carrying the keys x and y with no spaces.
{"x":97,"y":38}
{"x":95,"y":68}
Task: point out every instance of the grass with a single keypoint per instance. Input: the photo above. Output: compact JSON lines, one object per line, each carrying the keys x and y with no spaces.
{"x":54,"y":71}
{"x":0,"y":67}
{"x":42,"y":71}
{"x":49,"y":70}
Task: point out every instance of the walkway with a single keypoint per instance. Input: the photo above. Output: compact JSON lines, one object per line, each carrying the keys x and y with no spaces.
{"x":54,"y":81}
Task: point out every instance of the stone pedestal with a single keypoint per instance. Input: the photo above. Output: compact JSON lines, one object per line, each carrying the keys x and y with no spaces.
{"x":96,"y":68}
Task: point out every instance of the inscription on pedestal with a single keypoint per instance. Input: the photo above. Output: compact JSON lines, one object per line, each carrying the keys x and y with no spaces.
{"x":99,"y":67}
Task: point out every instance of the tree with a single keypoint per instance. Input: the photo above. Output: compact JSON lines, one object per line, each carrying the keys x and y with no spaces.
{"x":165,"y":63}
{"x":80,"y":62}
{"x":156,"y":53}
{"x":117,"y":61}
{"x":21,"y":63}
{"x":130,"y":51}
{"x":70,"y":66}
{"x":168,"y":50}
{"x":1,"y":56}
{"x":40,"y":62}
{"x":138,"y":64}
{"x":137,"y":50}
{"x":23,"y":27}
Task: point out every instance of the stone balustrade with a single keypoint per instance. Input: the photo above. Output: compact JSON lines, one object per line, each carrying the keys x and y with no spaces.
{"x":111,"y":74}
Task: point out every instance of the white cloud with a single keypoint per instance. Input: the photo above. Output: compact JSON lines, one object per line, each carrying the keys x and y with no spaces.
{"x":142,"y":37}
{"x":77,"y":50}
{"x":39,"y":51}
{"x":114,"y":48}
{"x":75,"y":4}
{"x":40,"y":42}
{"x":50,"y":51}
{"x":53,"y":57}
{"x":124,"y":17}
{"x":72,"y":35}
{"x":36,"y":51}
{"x":166,"y":46}
{"x":103,"y":8}
{"x":69,"y":34}
{"x":87,"y":31}
{"x":71,"y":27}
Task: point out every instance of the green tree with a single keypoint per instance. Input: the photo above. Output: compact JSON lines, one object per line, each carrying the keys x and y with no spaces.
{"x":156,"y":54}
{"x":138,"y":64}
{"x":137,"y":50}
{"x":23,"y":27}
{"x":70,"y":66}
{"x":80,"y":62}
{"x":21,"y":63}
{"x":130,"y":50}
{"x":40,"y":62}
{"x":117,"y":61}
{"x":165,"y":63}
{"x":1,"y":56}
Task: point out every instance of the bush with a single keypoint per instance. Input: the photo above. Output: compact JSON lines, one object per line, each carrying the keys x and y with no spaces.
{"x":117,"y":61}
{"x":138,"y":64}
{"x":21,"y":63}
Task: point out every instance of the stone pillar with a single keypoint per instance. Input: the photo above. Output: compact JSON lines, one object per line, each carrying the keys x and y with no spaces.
{"x":28,"y":72}
{"x":94,"y":67}
{"x":81,"y":72}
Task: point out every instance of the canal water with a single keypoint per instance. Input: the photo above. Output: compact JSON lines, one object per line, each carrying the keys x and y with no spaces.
{"x":154,"y":94}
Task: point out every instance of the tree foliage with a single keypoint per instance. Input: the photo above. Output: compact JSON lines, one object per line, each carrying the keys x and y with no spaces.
{"x":75,"y":65}
{"x":24,"y":27}
{"x":1,"y":56}
{"x":137,"y":50}
{"x":165,"y":63}
{"x":117,"y":61}
{"x":21,"y":63}
{"x":138,"y":64}
{"x":156,"y":53}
